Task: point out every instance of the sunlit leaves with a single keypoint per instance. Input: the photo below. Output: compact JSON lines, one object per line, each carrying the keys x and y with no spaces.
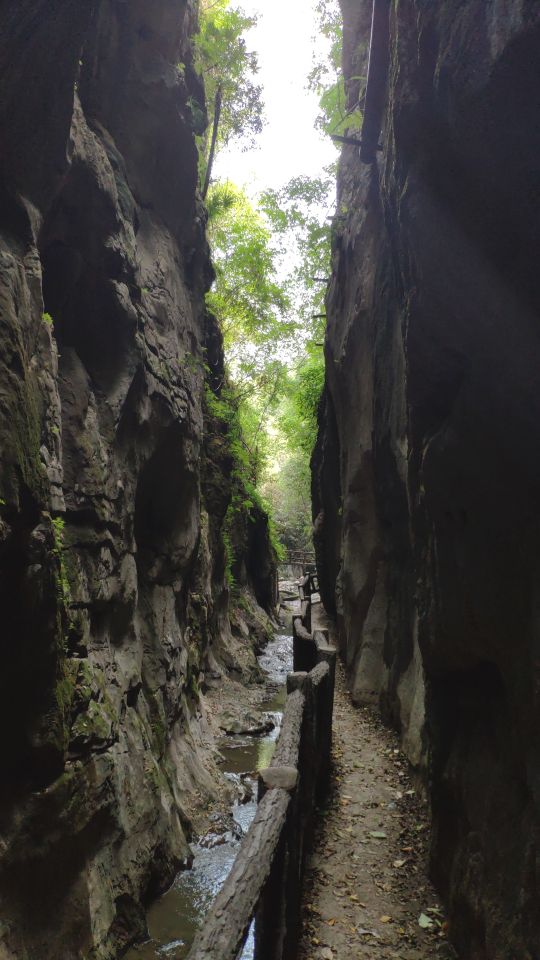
{"x":288,"y":488}
{"x":298,"y":216}
{"x":326,"y":77}
{"x":224,"y":61}
{"x":253,"y":310}
{"x":299,"y":412}
{"x":247,"y":297}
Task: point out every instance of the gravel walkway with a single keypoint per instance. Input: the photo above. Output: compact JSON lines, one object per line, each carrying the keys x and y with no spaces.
{"x":366,"y":893}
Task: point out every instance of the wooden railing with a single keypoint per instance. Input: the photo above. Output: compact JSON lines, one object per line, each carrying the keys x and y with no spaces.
{"x":298,"y":558}
{"x":265,"y":882}
{"x":307,"y":586}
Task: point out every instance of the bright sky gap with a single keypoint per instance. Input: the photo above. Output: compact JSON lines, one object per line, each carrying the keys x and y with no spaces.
{"x":285,"y":40}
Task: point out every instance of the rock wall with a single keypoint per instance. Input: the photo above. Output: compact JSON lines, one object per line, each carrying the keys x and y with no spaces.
{"x":426,"y":472}
{"x":112,"y":566}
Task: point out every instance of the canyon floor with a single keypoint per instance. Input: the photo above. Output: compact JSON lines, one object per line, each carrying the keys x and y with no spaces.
{"x":367,"y":894}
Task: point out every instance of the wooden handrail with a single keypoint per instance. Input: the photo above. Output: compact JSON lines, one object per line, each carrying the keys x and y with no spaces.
{"x":266,"y":877}
{"x":226,"y":928}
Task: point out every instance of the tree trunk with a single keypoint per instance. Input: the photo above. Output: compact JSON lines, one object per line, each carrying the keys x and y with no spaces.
{"x":211,"y":155}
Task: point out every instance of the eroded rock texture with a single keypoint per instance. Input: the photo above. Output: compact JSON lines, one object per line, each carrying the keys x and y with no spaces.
{"x":427,"y":469}
{"x":112,"y":590}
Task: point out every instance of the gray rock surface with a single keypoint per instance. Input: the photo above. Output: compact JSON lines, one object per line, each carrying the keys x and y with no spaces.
{"x":284,"y":778}
{"x":112,"y":589}
{"x":247,"y":724}
{"x":426,"y":471}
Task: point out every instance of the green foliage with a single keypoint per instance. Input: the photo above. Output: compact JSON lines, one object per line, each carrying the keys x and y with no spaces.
{"x":297,"y":216}
{"x":299,"y":416}
{"x":46,"y":317}
{"x":274,"y":534}
{"x":64,"y":592}
{"x":253,"y":309}
{"x":271,"y":259}
{"x":288,"y":492}
{"x":288,"y":488}
{"x":272,"y":344}
{"x":247,"y":298}
{"x":227,"y":414}
{"x":335,"y":117}
{"x":326,"y":77}
{"x":225,"y":63}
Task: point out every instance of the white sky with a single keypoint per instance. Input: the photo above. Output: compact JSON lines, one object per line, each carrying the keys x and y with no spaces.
{"x":289,"y":145}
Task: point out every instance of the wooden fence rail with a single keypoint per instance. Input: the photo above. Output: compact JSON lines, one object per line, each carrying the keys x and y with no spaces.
{"x":299,"y":560}
{"x":265,"y":882}
{"x":307,"y":586}
{"x":299,"y":556}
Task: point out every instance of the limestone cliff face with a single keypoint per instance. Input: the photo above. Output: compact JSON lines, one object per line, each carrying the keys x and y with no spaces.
{"x":426,"y":472}
{"x":112,"y":589}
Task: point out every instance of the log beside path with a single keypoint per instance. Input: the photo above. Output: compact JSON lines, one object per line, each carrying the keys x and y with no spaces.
{"x":265,"y":883}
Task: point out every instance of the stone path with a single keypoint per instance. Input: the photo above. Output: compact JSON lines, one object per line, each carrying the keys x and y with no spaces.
{"x":366,"y":895}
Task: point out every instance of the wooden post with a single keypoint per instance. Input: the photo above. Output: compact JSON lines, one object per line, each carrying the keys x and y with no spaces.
{"x":304,"y":650}
{"x":266,"y":879}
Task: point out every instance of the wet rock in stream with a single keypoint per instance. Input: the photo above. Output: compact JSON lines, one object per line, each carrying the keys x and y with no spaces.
{"x":248,"y":725}
{"x":225,"y":829}
{"x":173,"y":920}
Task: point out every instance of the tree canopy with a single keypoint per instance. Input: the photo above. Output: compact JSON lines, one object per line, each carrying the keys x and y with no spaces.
{"x":229,"y":70}
{"x":272,"y":259}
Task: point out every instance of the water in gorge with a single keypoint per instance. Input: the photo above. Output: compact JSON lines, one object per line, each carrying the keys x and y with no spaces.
{"x":175,"y":918}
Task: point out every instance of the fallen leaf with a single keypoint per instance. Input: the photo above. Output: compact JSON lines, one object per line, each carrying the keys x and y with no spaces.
{"x":385,"y":919}
{"x":332,"y":921}
{"x":399,"y":863}
{"x":424,"y":921}
{"x":378,"y":834}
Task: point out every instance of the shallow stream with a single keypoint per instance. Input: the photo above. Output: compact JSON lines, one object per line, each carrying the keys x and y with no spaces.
{"x":175,"y":918}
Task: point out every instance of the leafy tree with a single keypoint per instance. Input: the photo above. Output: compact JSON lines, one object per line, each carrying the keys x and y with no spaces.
{"x":297,"y":214}
{"x":247,"y":297}
{"x":252,"y":308}
{"x":288,"y":486}
{"x":288,"y":493}
{"x":271,"y":258}
{"x":229,"y":70}
{"x":225,"y":415}
{"x":273,"y":321}
{"x":326,"y":77}
{"x":299,"y":412}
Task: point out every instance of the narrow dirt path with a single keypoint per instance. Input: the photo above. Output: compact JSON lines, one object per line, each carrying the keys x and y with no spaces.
{"x":366,"y":893}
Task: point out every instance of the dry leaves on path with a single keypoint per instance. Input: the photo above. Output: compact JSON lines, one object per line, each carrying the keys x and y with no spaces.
{"x":366,"y":893}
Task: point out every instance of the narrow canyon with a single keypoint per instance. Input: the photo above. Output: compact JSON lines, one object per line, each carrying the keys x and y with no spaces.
{"x":139,"y":573}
